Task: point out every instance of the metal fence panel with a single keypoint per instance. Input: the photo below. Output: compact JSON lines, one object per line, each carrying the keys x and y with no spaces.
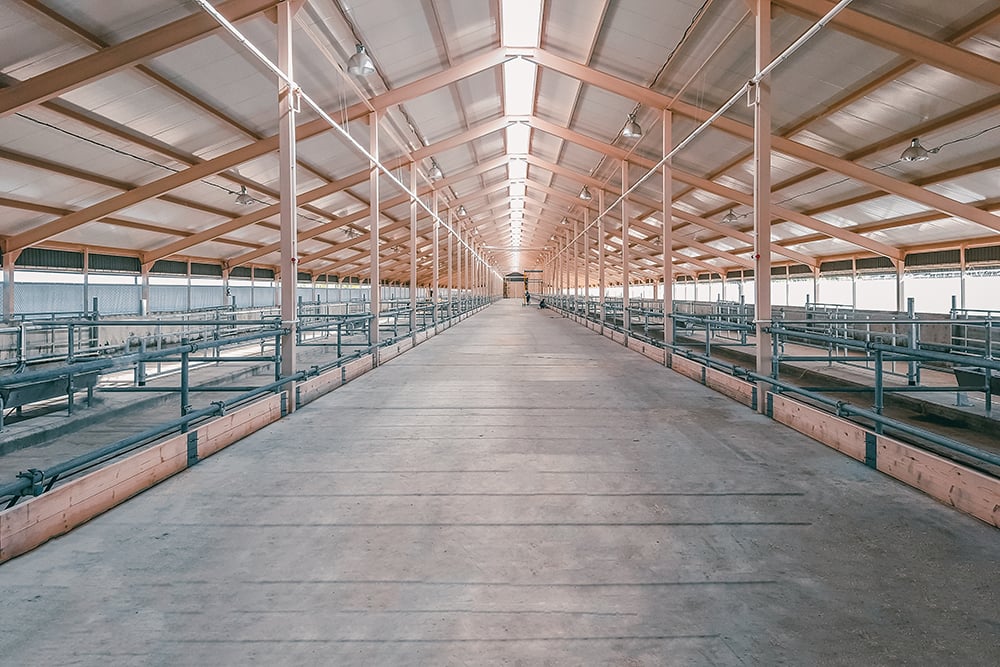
{"x":47,"y":298}
{"x":167,"y":298}
{"x":206,"y":296}
{"x":116,"y":299}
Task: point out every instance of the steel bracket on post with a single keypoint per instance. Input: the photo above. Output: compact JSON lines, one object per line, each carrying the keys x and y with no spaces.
{"x":35,"y":476}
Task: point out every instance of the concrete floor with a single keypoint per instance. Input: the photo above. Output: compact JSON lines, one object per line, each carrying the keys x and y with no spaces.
{"x":522,"y":491}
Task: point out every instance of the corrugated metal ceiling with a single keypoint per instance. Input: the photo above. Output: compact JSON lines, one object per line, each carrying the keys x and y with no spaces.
{"x":850,"y":95}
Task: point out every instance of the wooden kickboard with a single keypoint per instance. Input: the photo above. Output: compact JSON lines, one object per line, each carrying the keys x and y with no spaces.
{"x":964,"y":489}
{"x":686,"y":367}
{"x":647,"y":350}
{"x":733,"y":387}
{"x":37,"y":520}
{"x":315,"y":387}
{"x":843,"y":435}
{"x":358,"y":368}
{"x":224,"y":431}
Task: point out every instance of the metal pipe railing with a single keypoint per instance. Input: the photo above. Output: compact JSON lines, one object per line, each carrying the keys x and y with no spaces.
{"x":35,"y":482}
{"x":880,"y":352}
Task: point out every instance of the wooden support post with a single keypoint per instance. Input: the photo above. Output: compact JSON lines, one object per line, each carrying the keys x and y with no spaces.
{"x":413,"y":250}
{"x":667,"y":235}
{"x":436,"y":263}
{"x":9,"y":259}
{"x":762,"y":191}
{"x":451,"y":264}
{"x":626,"y":279}
{"x":288,"y":207}
{"x":374,"y":277}
{"x":601,"y":258}
{"x":586,"y":261}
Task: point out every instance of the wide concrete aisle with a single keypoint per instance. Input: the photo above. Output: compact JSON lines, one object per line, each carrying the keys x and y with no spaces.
{"x":517,"y":490}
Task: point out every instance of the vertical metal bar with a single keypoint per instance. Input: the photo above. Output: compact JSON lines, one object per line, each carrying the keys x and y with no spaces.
{"x":185,"y":381}
{"x":988,"y":331}
{"x":277,"y":355}
{"x":95,"y":333}
{"x":141,"y":366}
{"x":879,"y":394}
{"x":288,"y":203}
{"x":775,"y":356}
{"x":913,"y":367}
{"x":69,"y":393}
{"x":762,"y":190}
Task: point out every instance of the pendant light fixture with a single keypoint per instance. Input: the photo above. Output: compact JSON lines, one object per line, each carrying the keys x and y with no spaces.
{"x":632,"y":129}
{"x":461,"y":210}
{"x":243,"y":198}
{"x":917,"y":153}
{"x":361,"y":63}
{"x":435,"y":172}
{"x":730,"y":218}
{"x":585,"y":194}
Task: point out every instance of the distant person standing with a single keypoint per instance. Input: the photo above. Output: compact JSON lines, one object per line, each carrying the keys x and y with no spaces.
{"x":527,"y":297}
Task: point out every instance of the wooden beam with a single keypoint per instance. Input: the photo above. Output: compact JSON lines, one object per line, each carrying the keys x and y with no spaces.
{"x":781,"y":144}
{"x":617,"y":153}
{"x":906,"y":42}
{"x":235,"y":157}
{"x":360,"y":215}
{"x":84,"y":70}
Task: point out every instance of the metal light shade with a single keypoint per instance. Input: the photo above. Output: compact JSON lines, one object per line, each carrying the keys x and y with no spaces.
{"x":585,"y":194}
{"x":435,"y":173}
{"x":361,"y":63}
{"x":462,"y":211}
{"x":632,"y":129}
{"x":915,"y":152}
{"x":730,"y":218}
{"x":243,"y":198}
